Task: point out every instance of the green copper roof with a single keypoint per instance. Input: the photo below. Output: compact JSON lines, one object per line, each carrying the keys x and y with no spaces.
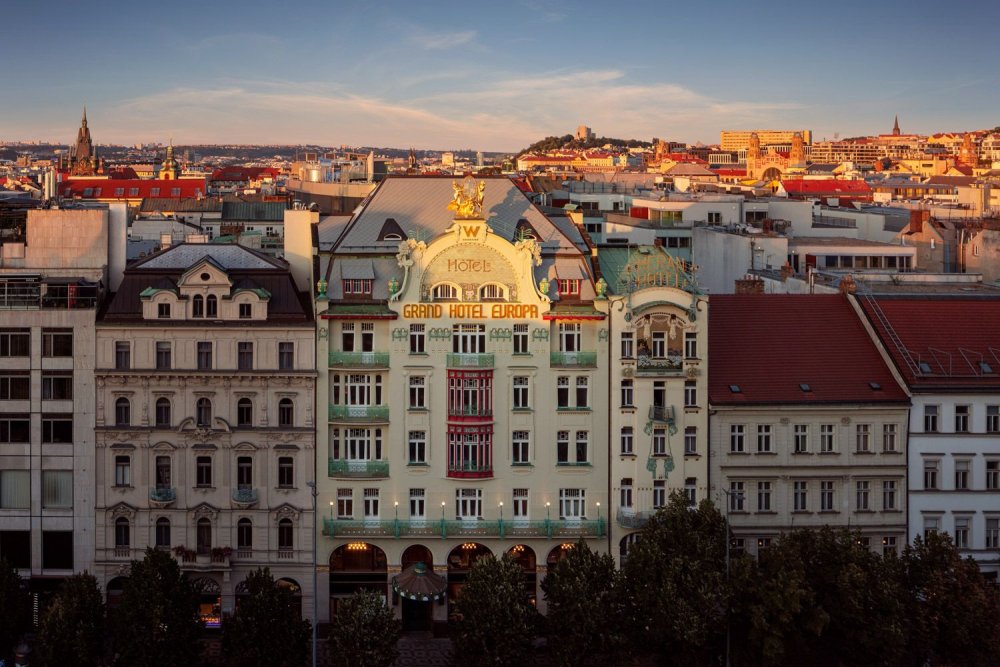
{"x":646,"y":265}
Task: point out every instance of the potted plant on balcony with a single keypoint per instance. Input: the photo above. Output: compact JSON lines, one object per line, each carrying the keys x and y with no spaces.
{"x":185,"y":554}
{"x":221,"y":554}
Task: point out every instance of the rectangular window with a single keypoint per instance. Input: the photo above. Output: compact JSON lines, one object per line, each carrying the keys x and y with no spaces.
{"x":244,"y":356}
{"x":371,"y":507}
{"x":57,"y":429}
{"x":962,"y":418}
{"x":562,"y":392}
{"x":520,"y":401}
{"x":363,"y":444}
{"x":737,"y":498}
{"x":18,"y":387}
{"x":57,"y":549}
{"x":801,"y":436}
{"x":358,"y":286}
{"x":345,"y":503}
{"x":628,"y":393}
{"x":690,"y":393}
{"x":625,"y":494}
{"x":992,"y":533}
{"x":737,"y":439}
{"x":690,"y":440}
{"x":123,"y":470}
{"x":993,"y":474}
{"x":691,"y":491}
{"x":520,"y":504}
{"x":659,"y":493}
{"x":763,"y":438}
{"x":163,"y":360}
{"x":889,"y":432}
{"x":418,"y":392}
{"x":57,"y":489}
{"x":800,"y":496}
{"x":763,"y":496}
{"x":15,"y":491}
{"x":246,"y":311}
{"x":417,"y":447}
{"x":826,"y":500}
{"x":827,"y":440}
{"x":863,"y":438}
{"x":519,"y":447}
{"x":993,"y":418}
{"x":690,"y":344}
{"x":163,"y":311}
{"x":626,"y":440}
{"x":57,"y":343}
{"x":123,"y":355}
{"x":961,"y":532}
{"x":204,"y":355}
{"x":55,"y":387}
{"x":930,"y":418}
{"x":468,"y":504}
{"x":582,"y":392}
{"x":628,"y":345}
{"x":863,"y":489}
{"x":569,"y":337}
{"x":418,"y":504}
{"x":568,"y":286}
{"x":521,"y":339}
{"x":889,"y":495}
{"x":15,"y":342}
{"x":15,"y":428}
{"x":582,"y":446}
{"x":572,"y":504}
{"x":562,"y":447}
{"x":163,"y":472}
{"x":931,"y":473}
{"x":659,"y":344}
{"x":286,"y":472}
{"x":888,"y":545}
{"x":203,"y":467}
{"x":286,"y":356}
{"x":962,"y":474}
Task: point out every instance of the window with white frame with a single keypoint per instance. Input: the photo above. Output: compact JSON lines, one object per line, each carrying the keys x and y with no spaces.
{"x":932,"y":524}
{"x":627,"y":345}
{"x":572,"y":504}
{"x":468,"y":338}
{"x":962,"y":532}
{"x":827,"y":442}
{"x":888,"y":545}
{"x":993,"y":474}
{"x":625,"y":493}
{"x":659,"y":344}
{"x":468,"y":504}
{"x":930,"y":418}
{"x":568,"y":287}
{"x":863,"y":438}
{"x":962,"y":474}
{"x":569,"y":336}
{"x":737,"y":496}
{"x":492,"y":292}
{"x":417,"y":447}
{"x":801,"y":438}
{"x":418,"y":392}
{"x":418,"y":504}
{"x":520,"y":504}
{"x":371,"y":503}
{"x":286,"y":355}
{"x":737,"y":439}
{"x":521,"y":338}
{"x":763,"y":496}
{"x":627,"y":441}
{"x":582,"y":447}
{"x":826,"y":496}
{"x":582,"y":392}
{"x":660,"y":442}
{"x":690,"y":440}
{"x":357,"y":286}
{"x":764,"y":439}
{"x":992,"y":532}
{"x":800,"y":496}
{"x":690,"y":344}
{"x":691,"y":491}
{"x":889,"y":438}
{"x":345,"y":503}
{"x":993,"y":418}
{"x":962,"y":418}
{"x":690,"y":393}
{"x":562,"y":391}
{"x":889,"y":495}
{"x":444,"y":292}
{"x":628,"y":393}
{"x":863,"y":495}
{"x":931,"y":467}
{"x":659,"y":493}
{"x":123,"y":470}
{"x":519,"y":447}
{"x":418,"y":339}
{"x":520,"y":388}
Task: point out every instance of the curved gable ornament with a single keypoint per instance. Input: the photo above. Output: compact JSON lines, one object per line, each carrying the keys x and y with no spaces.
{"x":122,"y":510}
{"x":205,"y":511}
{"x":286,"y":511}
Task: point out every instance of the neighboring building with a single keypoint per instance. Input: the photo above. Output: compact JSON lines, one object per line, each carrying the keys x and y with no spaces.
{"x":52,"y":281}
{"x":946,"y":350}
{"x":204,"y":422}
{"x":658,"y":386}
{"x":130,"y":191}
{"x":809,"y":423}
{"x":464,"y":376}
{"x":735,"y":140}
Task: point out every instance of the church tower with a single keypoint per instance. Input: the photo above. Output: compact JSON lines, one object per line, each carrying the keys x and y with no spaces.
{"x":753,"y":155}
{"x":797,"y":156}
{"x":895,"y":127}
{"x":170,"y":168}
{"x":967,"y":155}
{"x":83,"y":156}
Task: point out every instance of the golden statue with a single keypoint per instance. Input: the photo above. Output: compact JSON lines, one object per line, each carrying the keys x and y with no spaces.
{"x":467,"y":199}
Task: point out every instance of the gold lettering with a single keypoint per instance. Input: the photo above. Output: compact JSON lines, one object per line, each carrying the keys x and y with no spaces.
{"x":421,"y":310}
{"x":469,"y":266}
{"x":470,"y":230}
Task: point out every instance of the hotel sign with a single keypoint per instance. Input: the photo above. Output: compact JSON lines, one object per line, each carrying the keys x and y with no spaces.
{"x":470,"y":311}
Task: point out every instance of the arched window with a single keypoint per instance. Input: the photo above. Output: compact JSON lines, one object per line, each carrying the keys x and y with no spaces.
{"x":203,"y":412}
{"x":123,"y":533}
{"x":204,"y":536}
{"x":244,"y":534}
{"x":212,"y":306}
{"x":123,"y":412}
{"x":162,"y":533}
{"x":163,"y":412}
{"x":444,"y":292}
{"x":244,"y":412}
{"x":198,"y":306}
{"x":492,"y":292}
{"x":286,"y":412}
{"x":285,"y":533}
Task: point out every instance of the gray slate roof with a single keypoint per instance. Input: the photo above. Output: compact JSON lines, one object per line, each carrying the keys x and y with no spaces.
{"x":183,"y":256}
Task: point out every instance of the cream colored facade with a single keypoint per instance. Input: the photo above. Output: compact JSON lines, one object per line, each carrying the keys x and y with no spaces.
{"x":735,"y":140}
{"x":204,"y":422}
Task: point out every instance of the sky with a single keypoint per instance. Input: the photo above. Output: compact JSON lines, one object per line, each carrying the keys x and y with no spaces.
{"x":491,"y":75}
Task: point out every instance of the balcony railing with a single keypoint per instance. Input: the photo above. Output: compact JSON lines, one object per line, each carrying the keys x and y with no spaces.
{"x":628,"y":519}
{"x":342,"y":468}
{"x":471,"y":360}
{"x":444,"y":528}
{"x":661,"y":413}
{"x":470,"y":412}
{"x":470,"y":470}
{"x":573,"y":359}
{"x":29,"y":296}
{"x":359,"y":413}
{"x":360,"y":359}
{"x":162,"y":496}
{"x":245,"y":497}
{"x":669,"y":365}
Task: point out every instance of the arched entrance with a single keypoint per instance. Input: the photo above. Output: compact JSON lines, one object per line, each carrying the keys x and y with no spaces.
{"x":460,"y":562}
{"x":292,"y":587}
{"x":209,"y":602}
{"x":525,"y":557}
{"x":418,"y":615}
{"x":556,"y":555}
{"x":623,"y":547}
{"x":115,"y":589}
{"x":354,"y":567}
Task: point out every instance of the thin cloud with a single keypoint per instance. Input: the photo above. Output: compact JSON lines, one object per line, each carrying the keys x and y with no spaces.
{"x":439,"y":41}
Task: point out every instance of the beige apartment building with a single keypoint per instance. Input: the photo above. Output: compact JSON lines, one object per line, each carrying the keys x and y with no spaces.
{"x":737,"y":140}
{"x":658,"y":436}
{"x":205,"y":360}
{"x":809,"y":422}
{"x":464,"y":347}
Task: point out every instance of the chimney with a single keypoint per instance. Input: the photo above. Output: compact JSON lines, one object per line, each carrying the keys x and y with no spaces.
{"x":917,"y":219}
{"x":749,"y":285}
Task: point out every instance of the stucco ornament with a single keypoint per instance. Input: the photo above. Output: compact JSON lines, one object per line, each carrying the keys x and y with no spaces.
{"x":406,"y":254}
{"x":531,"y":247}
{"x":467,"y":200}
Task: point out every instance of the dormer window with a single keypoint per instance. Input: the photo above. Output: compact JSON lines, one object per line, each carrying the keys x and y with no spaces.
{"x":212,"y":306}
{"x":358,"y":286}
{"x":569,"y":286}
{"x":163,"y":311}
{"x":154,"y":192}
{"x":198,"y":306}
{"x":492,"y":292}
{"x":444,"y":292}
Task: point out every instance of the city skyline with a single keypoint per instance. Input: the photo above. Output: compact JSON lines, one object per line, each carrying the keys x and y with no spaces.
{"x":493,"y":78}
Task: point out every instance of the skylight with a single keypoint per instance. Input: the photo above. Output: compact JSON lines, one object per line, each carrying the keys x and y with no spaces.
{"x":875,"y":386}
{"x":735,"y":388}
{"x":805,"y":387}
{"x":925,"y":367}
{"x":985,"y":367}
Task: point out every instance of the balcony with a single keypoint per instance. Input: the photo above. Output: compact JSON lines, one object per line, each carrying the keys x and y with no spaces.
{"x":470,"y":471}
{"x":361,"y":469}
{"x":469,"y":411}
{"x":244,"y":498}
{"x":573,"y":359}
{"x":162,"y":497}
{"x":359,"y":413}
{"x":627,"y":519}
{"x":661,"y":413}
{"x":359,"y":359}
{"x":503,"y":528}
{"x":58,"y":295}
{"x":670,"y":365}
{"x":471,"y":360}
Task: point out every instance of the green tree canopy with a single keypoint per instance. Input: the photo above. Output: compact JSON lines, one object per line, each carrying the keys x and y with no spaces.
{"x":157,"y":621}
{"x":364,"y":632}
{"x":266,"y":629}
{"x":15,"y":608}
{"x":72,"y":629}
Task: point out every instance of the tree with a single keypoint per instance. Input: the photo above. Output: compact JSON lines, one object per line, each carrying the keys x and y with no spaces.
{"x":674,"y":584}
{"x":582,"y":616}
{"x":364,"y":632}
{"x":157,"y":621}
{"x":72,"y":628}
{"x":497,"y":623}
{"x":266,"y":629}
{"x":15,"y":608}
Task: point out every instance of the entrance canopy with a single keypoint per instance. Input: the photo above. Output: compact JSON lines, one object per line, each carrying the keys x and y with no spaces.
{"x":418,"y":583}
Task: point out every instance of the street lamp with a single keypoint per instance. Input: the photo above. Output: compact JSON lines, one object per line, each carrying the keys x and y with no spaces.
{"x":312,"y":488}
{"x":331,"y":509}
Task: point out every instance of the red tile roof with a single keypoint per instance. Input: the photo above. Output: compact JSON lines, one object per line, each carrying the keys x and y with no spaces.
{"x":825,"y":186}
{"x":730,"y":172}
{"x":948,"y":336}
{"x":111,"y":188}
{"x":769,"y":345}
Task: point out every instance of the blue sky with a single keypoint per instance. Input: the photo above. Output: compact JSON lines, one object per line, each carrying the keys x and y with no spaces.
{"x":491,"y":75}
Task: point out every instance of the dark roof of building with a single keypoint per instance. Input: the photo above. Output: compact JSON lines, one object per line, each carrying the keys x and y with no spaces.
{"x":257,"y":211}
{"x":790,"y":348}
{"x":952,"y":341}
{"x":181,"y":204}
{"x":243,"y":174}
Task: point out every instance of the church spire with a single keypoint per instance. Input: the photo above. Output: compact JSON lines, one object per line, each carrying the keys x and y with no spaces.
{"x":895,"y":127}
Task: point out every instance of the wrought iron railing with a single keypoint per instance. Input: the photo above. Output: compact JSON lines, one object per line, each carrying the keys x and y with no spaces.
{"x":471,"y":360}
{"x":444,"y":528}
{"x":573,"y":359}
{"x":359,"y":412}
{"x":647,"y":365}
{"x":245,"y":496}
{"x":163,"y":495}
{"x":661,"y":413}
{"x":627,"y":519}
{"x":344,"y":468}
{"x":377,"y":359}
